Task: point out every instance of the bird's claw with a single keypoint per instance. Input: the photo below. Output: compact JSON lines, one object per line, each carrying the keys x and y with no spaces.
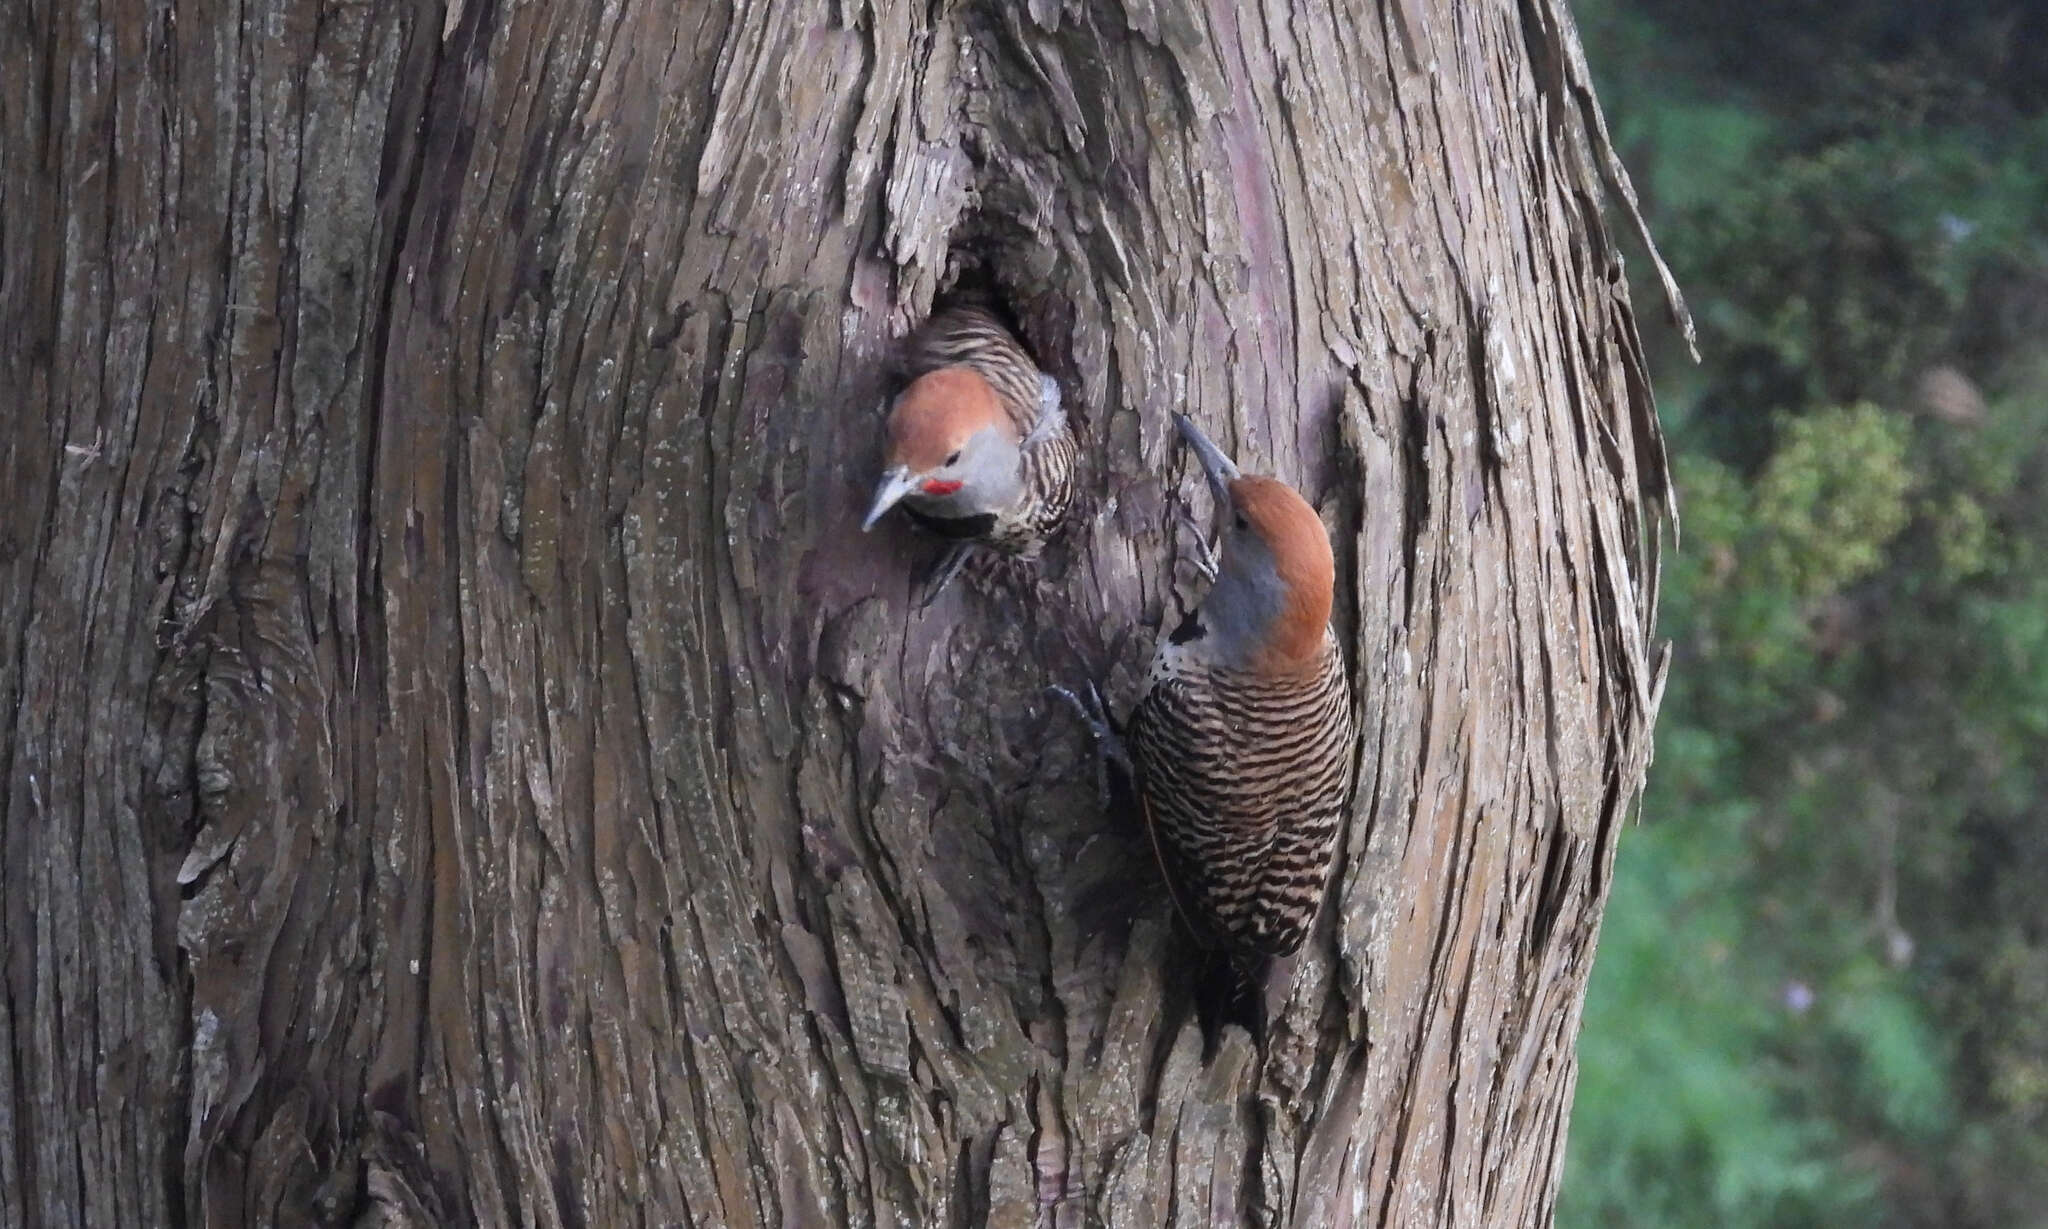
{"x":1205,"y":553}
{"x":941,"y":574}
{"x":1090,"y":711}
{"x":1109,"y":745}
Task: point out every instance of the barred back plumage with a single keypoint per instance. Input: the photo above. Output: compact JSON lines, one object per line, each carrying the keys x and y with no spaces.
{"x":1244,"y":775}
{"x":972,"y":337}
{"x":1049,"y":483}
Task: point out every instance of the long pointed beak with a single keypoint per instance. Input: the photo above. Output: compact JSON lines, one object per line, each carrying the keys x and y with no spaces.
{"x":895,"y":484}
{"x":1222,"y":471}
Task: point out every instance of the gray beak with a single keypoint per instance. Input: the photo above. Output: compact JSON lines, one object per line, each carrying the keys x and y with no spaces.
{"x":1222,"y":471}
{"x":895,"y":484}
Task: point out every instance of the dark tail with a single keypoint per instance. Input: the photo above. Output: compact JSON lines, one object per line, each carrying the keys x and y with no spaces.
{"x":1230,"y":988}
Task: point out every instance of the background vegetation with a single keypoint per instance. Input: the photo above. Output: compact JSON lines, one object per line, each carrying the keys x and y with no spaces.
{"x":1822,"y":990}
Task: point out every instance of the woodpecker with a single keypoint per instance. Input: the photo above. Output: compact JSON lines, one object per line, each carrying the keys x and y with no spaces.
{"x":1240,"y":747}
{"x":979,"y":450}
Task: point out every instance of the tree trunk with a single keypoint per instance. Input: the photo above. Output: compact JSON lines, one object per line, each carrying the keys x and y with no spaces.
{"x":464,"y":765}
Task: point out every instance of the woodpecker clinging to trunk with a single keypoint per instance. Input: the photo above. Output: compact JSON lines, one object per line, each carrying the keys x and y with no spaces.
{"x":978,"y":446}
{"x":1240,"y":746}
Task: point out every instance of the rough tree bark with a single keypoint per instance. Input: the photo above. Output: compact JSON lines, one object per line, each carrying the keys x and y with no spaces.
{"x":463,"y":765}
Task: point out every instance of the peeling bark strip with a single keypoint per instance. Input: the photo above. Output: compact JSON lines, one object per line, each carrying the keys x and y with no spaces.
{"x":463,"y":764}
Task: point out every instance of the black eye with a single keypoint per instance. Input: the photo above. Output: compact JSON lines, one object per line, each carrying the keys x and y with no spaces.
{"x":1241,"y":522}
{"x":954,"y":459}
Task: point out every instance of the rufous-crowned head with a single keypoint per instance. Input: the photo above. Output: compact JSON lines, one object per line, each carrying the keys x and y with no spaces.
{"x":951,"y":450}
{"x":1270,"y":606}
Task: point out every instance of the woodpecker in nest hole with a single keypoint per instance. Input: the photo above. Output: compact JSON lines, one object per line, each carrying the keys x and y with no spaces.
{"x":978,"y":450}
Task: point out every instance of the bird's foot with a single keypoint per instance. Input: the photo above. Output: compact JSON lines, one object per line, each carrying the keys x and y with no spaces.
{"x":1205,"y":552}
{"x":1109,"y":745}
{"x":941,"y":574}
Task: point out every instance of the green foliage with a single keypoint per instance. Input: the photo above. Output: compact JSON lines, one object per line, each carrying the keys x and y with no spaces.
{"x":1821,"y":996}
{"x":1831,"y":498}
{"x":1676,"y":1125}
{"x":1963,"y":539}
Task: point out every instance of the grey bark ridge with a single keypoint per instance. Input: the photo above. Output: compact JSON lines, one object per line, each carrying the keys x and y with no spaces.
{"x":463,"y":765}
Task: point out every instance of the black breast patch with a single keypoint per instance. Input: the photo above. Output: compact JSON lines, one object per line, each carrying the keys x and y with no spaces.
{"x":1190,"y":628}
{"x":953,"y":526}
